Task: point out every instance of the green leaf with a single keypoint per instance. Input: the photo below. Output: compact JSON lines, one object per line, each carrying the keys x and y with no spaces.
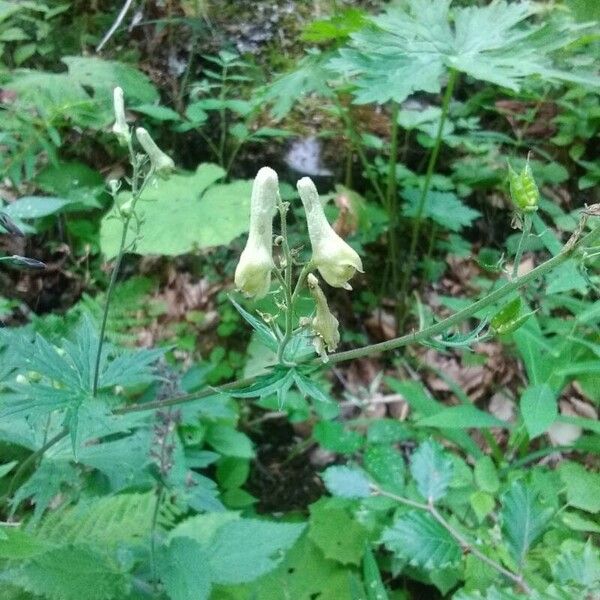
{"x":226,"y":440}
{"x":444,"y":208}
{"x":157,"y":112}
{"x":386,"y":465}
{"x":372,"y":577}
{"x":538,"y":409}
{"x":524,"y":520}
{"x":309,"y":77}
{"x":565,"y":278}
{"x":346,"y":482}
{"x":73,"y":573}
{"x":183,"y":213}
{"x":432,"y":470}
{"x":410,"y":49}
{"x":35,"y":207}
{"x":303,"y":575}
{"x":417,"y":538}
{"x":464,"y":416}
{"x":7,"y":468}
{"x":264,"y":334}
{"x":486,"y":475}
{"x":482,"y":504}
{"x":581,"y":568}
{"x":581,"y":486}
{"x":105,"y":75}
{"x":184,"y":570}
{"x":333,"y":436}
{"x":245,"y":549}
{"x":337,"y":534}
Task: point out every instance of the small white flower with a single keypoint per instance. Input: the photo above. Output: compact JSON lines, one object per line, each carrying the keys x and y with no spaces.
{"x":253,"y":272}
{"x":161,"y":163}
{"x":120,"y":128}
{"x":324,"y":325}
{"x":332,"y":256}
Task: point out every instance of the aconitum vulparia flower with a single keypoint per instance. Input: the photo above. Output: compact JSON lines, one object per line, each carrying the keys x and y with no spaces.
{"x":336,"y":261}
{"x":253,"y":272}
{"x":161,"y":163}
{"x":120,"y":128}
{"x":324,"y":325}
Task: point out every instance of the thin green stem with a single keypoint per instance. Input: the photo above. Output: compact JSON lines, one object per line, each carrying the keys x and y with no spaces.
{"x":392,"y":198}
{"x":355,"y":141}
{"x":576,"y":241}
{"x":472,"y":309}
{"x":287,"y":282}
{"x":465,"y":544}
{"x":136,"y":192}
{"x":109,"y":292}
{"x":416,"y":224}
{"x":527,"y":221}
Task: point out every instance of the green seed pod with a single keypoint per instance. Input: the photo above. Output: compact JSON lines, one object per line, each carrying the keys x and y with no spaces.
{"x":523,"y":189}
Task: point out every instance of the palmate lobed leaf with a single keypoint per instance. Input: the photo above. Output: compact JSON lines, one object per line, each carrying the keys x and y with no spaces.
{"x":405,"y":51}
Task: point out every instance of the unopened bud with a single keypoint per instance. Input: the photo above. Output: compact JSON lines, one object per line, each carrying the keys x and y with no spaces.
{"x":336,"y":261}
{"x":324,"y":326}
{"x":120,"y":127}
{"x":523,"y":189}
{"x":161,"y":163}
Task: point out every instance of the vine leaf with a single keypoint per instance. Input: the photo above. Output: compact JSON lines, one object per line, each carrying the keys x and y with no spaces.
{"x":422,"y":541}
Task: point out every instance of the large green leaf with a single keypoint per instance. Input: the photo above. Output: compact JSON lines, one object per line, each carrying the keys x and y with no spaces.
{"x":422,"y":541}
{"x":72,"y":573}
{"x":538,"y":409}
{"x":524,"y":519}
{"x":304,"y":575}
{"x":104,"y":75}
{"x":338,"y":534}
{"x":445,"y":208}
{"x":184,"y":570}
{"x":432,"y":469}
{"x":184,"y":213}
{"x":221,"y":548}
{"x":581,"y":486}
{"x":346,"y":482}
{"x":410,"y":49}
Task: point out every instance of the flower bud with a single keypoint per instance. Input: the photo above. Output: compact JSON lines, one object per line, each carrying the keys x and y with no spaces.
{"x":523,"y":189}
{"x":161,"y":163}
{"x":332,"y":256}
{"x":253,"y":272}
{"x":120,"y":128}
{"x":324,"y":325}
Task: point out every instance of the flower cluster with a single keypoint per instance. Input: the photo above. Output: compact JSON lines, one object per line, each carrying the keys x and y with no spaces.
{"x":332,"y":257}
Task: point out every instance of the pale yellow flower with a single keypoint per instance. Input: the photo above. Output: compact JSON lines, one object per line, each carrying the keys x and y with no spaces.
{"x":336,"y":261}
{"x":253,"y":272}
{"x":161,"y":163}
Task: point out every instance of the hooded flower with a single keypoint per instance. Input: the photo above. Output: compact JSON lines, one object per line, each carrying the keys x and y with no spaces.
{"x":120,"y":128}
{"x":161,"y":163}
{"x":332,"y":256}
{"x":253,"y":272}
{"x":324,"y":325}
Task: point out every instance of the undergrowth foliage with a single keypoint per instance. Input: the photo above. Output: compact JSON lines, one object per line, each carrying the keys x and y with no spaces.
{"x":124,"y":478}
